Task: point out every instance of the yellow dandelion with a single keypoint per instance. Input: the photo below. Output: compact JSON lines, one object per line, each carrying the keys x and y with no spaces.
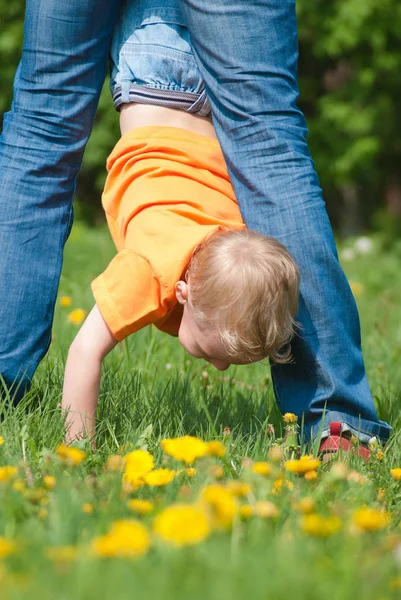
{"x":6,"y":547}
{"x":379,"y":455}
{"x":159,"y":477}
{"x":265,"y":509}
{"x":275,"y":454}
{"x":114,"y":463}
{"x":303,"y":465}
{"x":70,"y":455}
{"x":318,"y":526}
{"x":278,"y":485}
{"x":216,"y":448}
{"x":187,"y":448}
{"x":310,"y":475}
{"x":357,"y":288}
{"x":65,"y":301}
{"x":305,"y":505}
{"x":289,"y":418}
{"x":245,"y":512}
{"x":221,"y":504}
{"x":370,"y":519}
{"x":77,"y":316}
{"x":62,"y":554}
{"x":261,"y":468}
{"x":356,"y":477}
{"x":19,"y":486}
{"x":182,"y":525}
{"x":126,"y":539}
{"x":7,"y":473}
{"x":1,"y":440}
{"x":141,"y":507}
{"x":87,"y":508}
{"x":191,"y":472}
{"x":396,"y":474}
{"x":49,"y":482}
{"x":395,"y":583}
{"x":137,"y":464}
{"x":42,"y":514}
{"x":217,"y":471}
{"x":238,"y":488}
{"x":339,"y":471}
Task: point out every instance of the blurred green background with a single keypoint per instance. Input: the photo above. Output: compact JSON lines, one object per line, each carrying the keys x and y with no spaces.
{"x":350,"y":83}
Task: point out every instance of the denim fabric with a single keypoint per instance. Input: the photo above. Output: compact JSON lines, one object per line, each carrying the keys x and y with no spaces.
{"x":247,"y":55}
{"x":56,"y":91}
{"x":151,"y":49}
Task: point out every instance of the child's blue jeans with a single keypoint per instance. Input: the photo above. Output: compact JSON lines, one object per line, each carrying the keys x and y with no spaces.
{"x":247,"y":55}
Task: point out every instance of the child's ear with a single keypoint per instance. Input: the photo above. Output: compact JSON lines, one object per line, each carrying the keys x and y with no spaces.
{"x":181,"y":292}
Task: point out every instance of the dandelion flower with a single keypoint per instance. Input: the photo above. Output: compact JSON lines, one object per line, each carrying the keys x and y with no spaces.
{"x":306,"y":505}
{"x":221,"y":504}
{"x":216,"y":448}
{"x":238,"y":488}
{"x":265,"y":509}
{"x":356,"y":288}
{"x":303,"y":465}
{"x":114,"y":463}
{"x":275,"y":454}
{"x":370,"y":519}
{"x":245,"y":512}
{"x":311,"y":475}
{"x":187,"y":448}
{"x":191,"y":472}
{"x":137,"y":464}
{"x":87,"y":508}
{"x":77,"y":316}
{"x":70,"y":455}
{"x":356,"y":477}
{"x":65,"y":301}
{"x":49,"y":482}
{"x":182,"y":525}
{"x":318,"y":526}
{"x":159,"y":477}
{"x":1,"y":440}
{"x":62,"y":554}
{"x":126,"y":539}
{"x":6,"y":547}
{"x":141,"y":507}
{"x":380,"y":455}
{"x":396,"y":474}
{"x":7,"y":473}
{"x":261,"y":468}
{"x":289,"y":418}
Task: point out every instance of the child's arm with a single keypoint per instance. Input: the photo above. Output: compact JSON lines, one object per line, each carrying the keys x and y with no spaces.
{"x":82,"y":375}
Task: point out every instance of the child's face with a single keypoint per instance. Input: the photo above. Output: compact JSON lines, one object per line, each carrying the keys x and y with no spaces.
{"x":200,"y":343}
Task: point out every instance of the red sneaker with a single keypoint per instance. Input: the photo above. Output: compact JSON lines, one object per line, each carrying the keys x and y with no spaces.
{"x":335,"y":442}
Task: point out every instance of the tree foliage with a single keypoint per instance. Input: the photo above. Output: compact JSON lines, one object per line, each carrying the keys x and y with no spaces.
{"x":350,"y":60}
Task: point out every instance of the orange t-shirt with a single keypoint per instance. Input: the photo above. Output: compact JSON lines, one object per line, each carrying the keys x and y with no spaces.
{"x":166,"y":191}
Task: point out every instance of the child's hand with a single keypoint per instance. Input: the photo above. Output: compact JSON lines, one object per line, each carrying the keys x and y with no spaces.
{"x":82,"y":375}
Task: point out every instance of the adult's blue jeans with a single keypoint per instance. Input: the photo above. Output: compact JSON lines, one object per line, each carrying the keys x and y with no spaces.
{"x":247,"y":54}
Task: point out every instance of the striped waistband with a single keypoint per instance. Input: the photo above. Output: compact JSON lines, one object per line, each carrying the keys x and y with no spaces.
{"x":188,"y":101}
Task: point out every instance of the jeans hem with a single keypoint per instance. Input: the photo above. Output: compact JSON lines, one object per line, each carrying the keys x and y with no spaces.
{"x":363,"y":429}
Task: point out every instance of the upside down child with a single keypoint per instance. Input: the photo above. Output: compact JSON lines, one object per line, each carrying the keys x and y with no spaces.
{"x":185,"y":261}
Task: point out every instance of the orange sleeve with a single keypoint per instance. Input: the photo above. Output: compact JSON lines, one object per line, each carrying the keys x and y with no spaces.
{"x":129,"y":294}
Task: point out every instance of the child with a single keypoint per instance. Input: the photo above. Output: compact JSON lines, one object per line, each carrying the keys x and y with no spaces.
{"x":185,"y":261}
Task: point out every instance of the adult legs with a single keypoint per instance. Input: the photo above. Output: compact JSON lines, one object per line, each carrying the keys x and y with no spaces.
{"x":56,"y":91}
{"x":247,"y":53}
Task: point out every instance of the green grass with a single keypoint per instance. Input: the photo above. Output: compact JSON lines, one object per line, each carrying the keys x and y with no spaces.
{"x":152,"y":390}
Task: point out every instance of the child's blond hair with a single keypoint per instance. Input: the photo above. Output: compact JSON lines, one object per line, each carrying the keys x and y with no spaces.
{"x":245,"y":286}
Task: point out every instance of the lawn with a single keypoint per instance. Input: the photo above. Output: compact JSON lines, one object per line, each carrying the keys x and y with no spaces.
{"x":78,"y":525}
